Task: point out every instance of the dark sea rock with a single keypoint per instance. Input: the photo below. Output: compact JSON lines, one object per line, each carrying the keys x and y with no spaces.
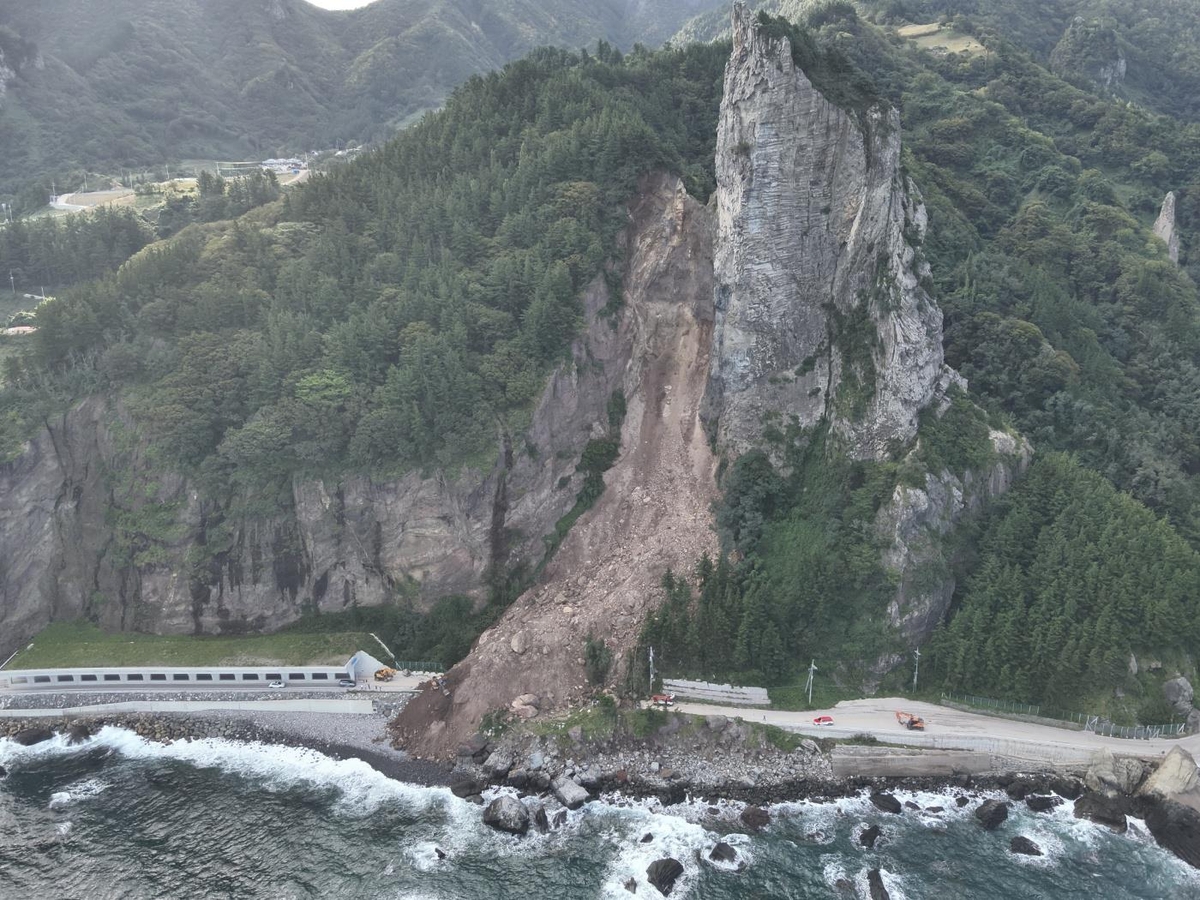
{"x":755,"y":818}
{"x":1177,"y":828}
{"x":631,"y":885}
{"x":647,"y":838}
{"x":27,"y":737}
{"x":875,"y":883}
{"x":560,"y":819}
{"x":539,"y":818}
{"x":1067,"y":788}
{"x":517,"y":778}
{"x":886,"y":802}
{"x":869,"y":837}
{"x":441,"y":854}
{"x":961,"y":801}
{"x":507,"y":814}
{"x":934,"y":810}
{"x":1018,"y":790}
{"x":1042,"y":802}
{"x":1024,"y":846}
{"x":465,"y":787}
{"x":1102,"y":810}
{"x":992,"y":814}
{"x":663,"y":873}
{"x":78,"y":733}
{"x":722,"y":852}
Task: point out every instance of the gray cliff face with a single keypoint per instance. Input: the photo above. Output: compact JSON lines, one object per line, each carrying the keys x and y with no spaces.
{"x":912,"y":527}
{"x":89,"y":528}
{"x":820,"y":312}
{"x":1164,"y":227}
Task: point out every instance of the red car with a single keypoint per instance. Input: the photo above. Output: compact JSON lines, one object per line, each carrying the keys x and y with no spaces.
{"x":823,"y":720}
{"x":663,"y":700}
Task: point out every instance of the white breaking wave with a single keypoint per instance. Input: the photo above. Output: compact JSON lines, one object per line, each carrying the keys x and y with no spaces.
{"x":361,"y":789}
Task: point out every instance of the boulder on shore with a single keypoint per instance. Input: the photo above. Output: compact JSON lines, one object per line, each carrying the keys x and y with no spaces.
{"x":992,"y":814}
{"x":1176,"y":778}
{"x":1102,"y":810}
{"x":507,"y":814}
{"x":1176,"y":828}
{"x":875,"y":883}
{"x":1067,"y":788}
{"x":465,"y":787}
{"x":568,"y":793}
{"x":886,"y":802}
{"x":663,"y":873}
{"x":1111,"y":776}
{"x":1024,"y":846}
{"x":869,"y":837}
{"x":27,"y":737}
{"x":539,"y":818}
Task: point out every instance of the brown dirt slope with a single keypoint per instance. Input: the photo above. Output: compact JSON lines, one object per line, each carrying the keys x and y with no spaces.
{"x":655,"y":510}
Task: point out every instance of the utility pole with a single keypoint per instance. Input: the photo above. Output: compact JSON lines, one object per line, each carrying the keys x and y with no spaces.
{"x":812,"y":668}
{"x":13,"y":282}
{"x":916,"y":668}
{"x":652,"y":670}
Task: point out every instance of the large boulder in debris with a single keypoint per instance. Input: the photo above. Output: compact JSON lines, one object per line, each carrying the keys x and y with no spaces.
{"x":568,"y":793}
{"x":1176,"y":778}
{"x":1111,"y":776}
{"x":886,"y":802}
{"x":663,"y":873}
{"x":1178,"y":692}
{"x":27,"y":737}
{"x":992,"y":814}
{"x":1103,"y":810}
{"x":507,"y":814}
{"x":1177,"y":828}
{"x":1023,"y":846}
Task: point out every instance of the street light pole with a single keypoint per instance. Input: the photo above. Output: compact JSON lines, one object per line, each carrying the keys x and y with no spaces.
{"x":916,"y":668}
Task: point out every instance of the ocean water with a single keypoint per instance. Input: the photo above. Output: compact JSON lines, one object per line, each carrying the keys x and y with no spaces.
{"x":119,"y":817}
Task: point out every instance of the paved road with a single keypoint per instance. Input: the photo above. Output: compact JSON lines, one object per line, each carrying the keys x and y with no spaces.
{"x":399,"y":684}
{"x":947,"y":728}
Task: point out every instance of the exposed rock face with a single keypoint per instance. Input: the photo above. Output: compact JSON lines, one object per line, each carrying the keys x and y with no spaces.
{"x":820,"y":312}
{"x":72,"y":544}
{"x":1090,"y":51}
{"x":1164,"y":227}
{"x":1176,"y":779}
{"x":913,"y":524}
{"x":1112,"y":776}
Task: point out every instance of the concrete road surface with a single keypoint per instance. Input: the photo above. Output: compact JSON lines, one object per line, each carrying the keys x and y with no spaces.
{"x":947,"y":728}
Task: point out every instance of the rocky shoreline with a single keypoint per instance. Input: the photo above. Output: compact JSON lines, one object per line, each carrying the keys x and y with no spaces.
{"x":528,"y":777}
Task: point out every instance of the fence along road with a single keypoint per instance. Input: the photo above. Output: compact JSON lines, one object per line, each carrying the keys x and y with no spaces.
{"x":951,"y":729}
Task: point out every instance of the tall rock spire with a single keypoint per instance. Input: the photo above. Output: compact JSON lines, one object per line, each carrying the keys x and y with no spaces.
{"x":820,"y":311}
{"x":1164,"y":227}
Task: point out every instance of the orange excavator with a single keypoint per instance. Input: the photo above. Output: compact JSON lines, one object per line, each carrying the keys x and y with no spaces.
{"x":909,"y":721}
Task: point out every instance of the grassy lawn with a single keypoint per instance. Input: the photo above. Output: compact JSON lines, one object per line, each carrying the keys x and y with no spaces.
{"x":934,"y":37}
{"x":76,"y":644}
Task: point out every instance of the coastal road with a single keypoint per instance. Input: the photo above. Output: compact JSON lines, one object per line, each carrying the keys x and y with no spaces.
{"x":947,"y":728}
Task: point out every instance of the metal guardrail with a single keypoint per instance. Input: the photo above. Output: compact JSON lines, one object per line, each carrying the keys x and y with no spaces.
{"x":1092,"y":723}
{"x":425,"y":666}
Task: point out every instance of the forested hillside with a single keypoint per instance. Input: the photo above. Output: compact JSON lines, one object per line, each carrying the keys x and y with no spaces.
{"x":398,"y":314}
{"x":110,"y":84}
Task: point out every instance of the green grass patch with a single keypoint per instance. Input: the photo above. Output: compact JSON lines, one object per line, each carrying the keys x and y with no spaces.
{"x":78,"y":644}
{"x":793,"y":696}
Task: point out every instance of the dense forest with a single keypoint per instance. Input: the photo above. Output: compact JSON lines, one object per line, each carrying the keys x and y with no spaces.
{"x":396,"y":313}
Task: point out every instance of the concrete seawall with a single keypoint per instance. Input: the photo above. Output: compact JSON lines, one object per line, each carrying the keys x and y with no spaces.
{"x":363,"y":707}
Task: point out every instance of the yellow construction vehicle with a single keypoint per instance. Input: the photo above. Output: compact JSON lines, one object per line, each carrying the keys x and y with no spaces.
{"x":385,"y":674}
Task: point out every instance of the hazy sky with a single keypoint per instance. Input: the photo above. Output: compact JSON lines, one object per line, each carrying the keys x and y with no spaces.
{"x":340,"y":4}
